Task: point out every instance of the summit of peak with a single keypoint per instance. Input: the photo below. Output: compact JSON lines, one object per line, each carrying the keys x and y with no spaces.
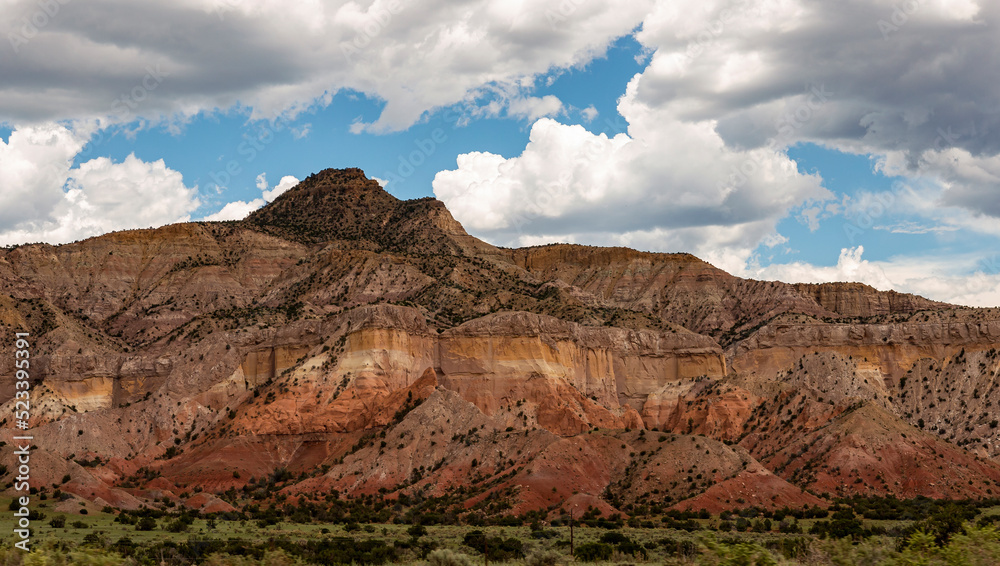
{"x":350,"y":176}
{"x":344,"y":204}
{"x":329,"y":205}
{"x":337,"y":181}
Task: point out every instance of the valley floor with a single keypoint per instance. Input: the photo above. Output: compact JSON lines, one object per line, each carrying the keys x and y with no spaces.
{"x":839,"y":539}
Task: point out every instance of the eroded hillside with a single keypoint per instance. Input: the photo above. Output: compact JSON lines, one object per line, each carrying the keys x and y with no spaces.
{"x":370,"y":345}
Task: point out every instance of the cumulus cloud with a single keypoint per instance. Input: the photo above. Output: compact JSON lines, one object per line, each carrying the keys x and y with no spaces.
{"x":976,"y":290}
{"x":97,"y":197}
{"x":850,"y":267}
{"x":238,"y":210}
{"x":666,"y":184}
{"x":34,"y":165}
{"x":283,"y":185}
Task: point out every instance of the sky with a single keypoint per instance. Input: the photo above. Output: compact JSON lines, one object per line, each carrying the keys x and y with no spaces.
{"x":798,"y":140}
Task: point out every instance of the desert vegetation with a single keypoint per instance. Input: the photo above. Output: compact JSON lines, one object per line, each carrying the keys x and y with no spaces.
{"x":858,"y":530}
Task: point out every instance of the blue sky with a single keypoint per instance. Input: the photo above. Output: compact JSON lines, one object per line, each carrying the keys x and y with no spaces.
{"x":818,"y":150}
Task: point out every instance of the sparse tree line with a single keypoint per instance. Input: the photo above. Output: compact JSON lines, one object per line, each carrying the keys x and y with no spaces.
{"x":412,"y":529}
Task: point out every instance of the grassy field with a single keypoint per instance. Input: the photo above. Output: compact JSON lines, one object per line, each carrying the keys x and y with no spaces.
{"x":107,"y":531}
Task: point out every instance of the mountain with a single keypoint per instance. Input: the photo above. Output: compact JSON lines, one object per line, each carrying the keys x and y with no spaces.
{"x":344,"y":205}
{"x":342,"y":339}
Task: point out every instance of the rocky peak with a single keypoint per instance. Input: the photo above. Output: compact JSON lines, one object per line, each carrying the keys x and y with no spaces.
{"x":344,"y":204}
{"x":334,"y":204}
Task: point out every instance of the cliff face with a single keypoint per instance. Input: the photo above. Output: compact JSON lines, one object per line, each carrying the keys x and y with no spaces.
{"x":373,"y":345}
{"x":685,"y":290}
{"x":858,"y":300}
{"x":560,"y":376}
{"x":937,"y":370}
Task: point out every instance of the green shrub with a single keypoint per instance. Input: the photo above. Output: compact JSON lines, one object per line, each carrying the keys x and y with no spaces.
{"x":497,"y":549}
{"x":177,"y":526}
{"x":594,"y":551}
{"x":416,"y":531}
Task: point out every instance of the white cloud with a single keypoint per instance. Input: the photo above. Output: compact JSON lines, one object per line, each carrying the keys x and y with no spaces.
{"x":283,"y":185}
{"x":533,"y":107}
{"x":134,"y":192}
{"x":667,"y":184}
{"x":952,"y":177}
{"x":976,"y":290}
{"x":97,"y":197}
{"x":238,"y":210}
{"x":300,"y":132}
{"x":916,"y":205}
{"x":34,"y":165}
{"x":911,"y":227}
{"x":923,"y":96}
{"x":589,"y":113}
